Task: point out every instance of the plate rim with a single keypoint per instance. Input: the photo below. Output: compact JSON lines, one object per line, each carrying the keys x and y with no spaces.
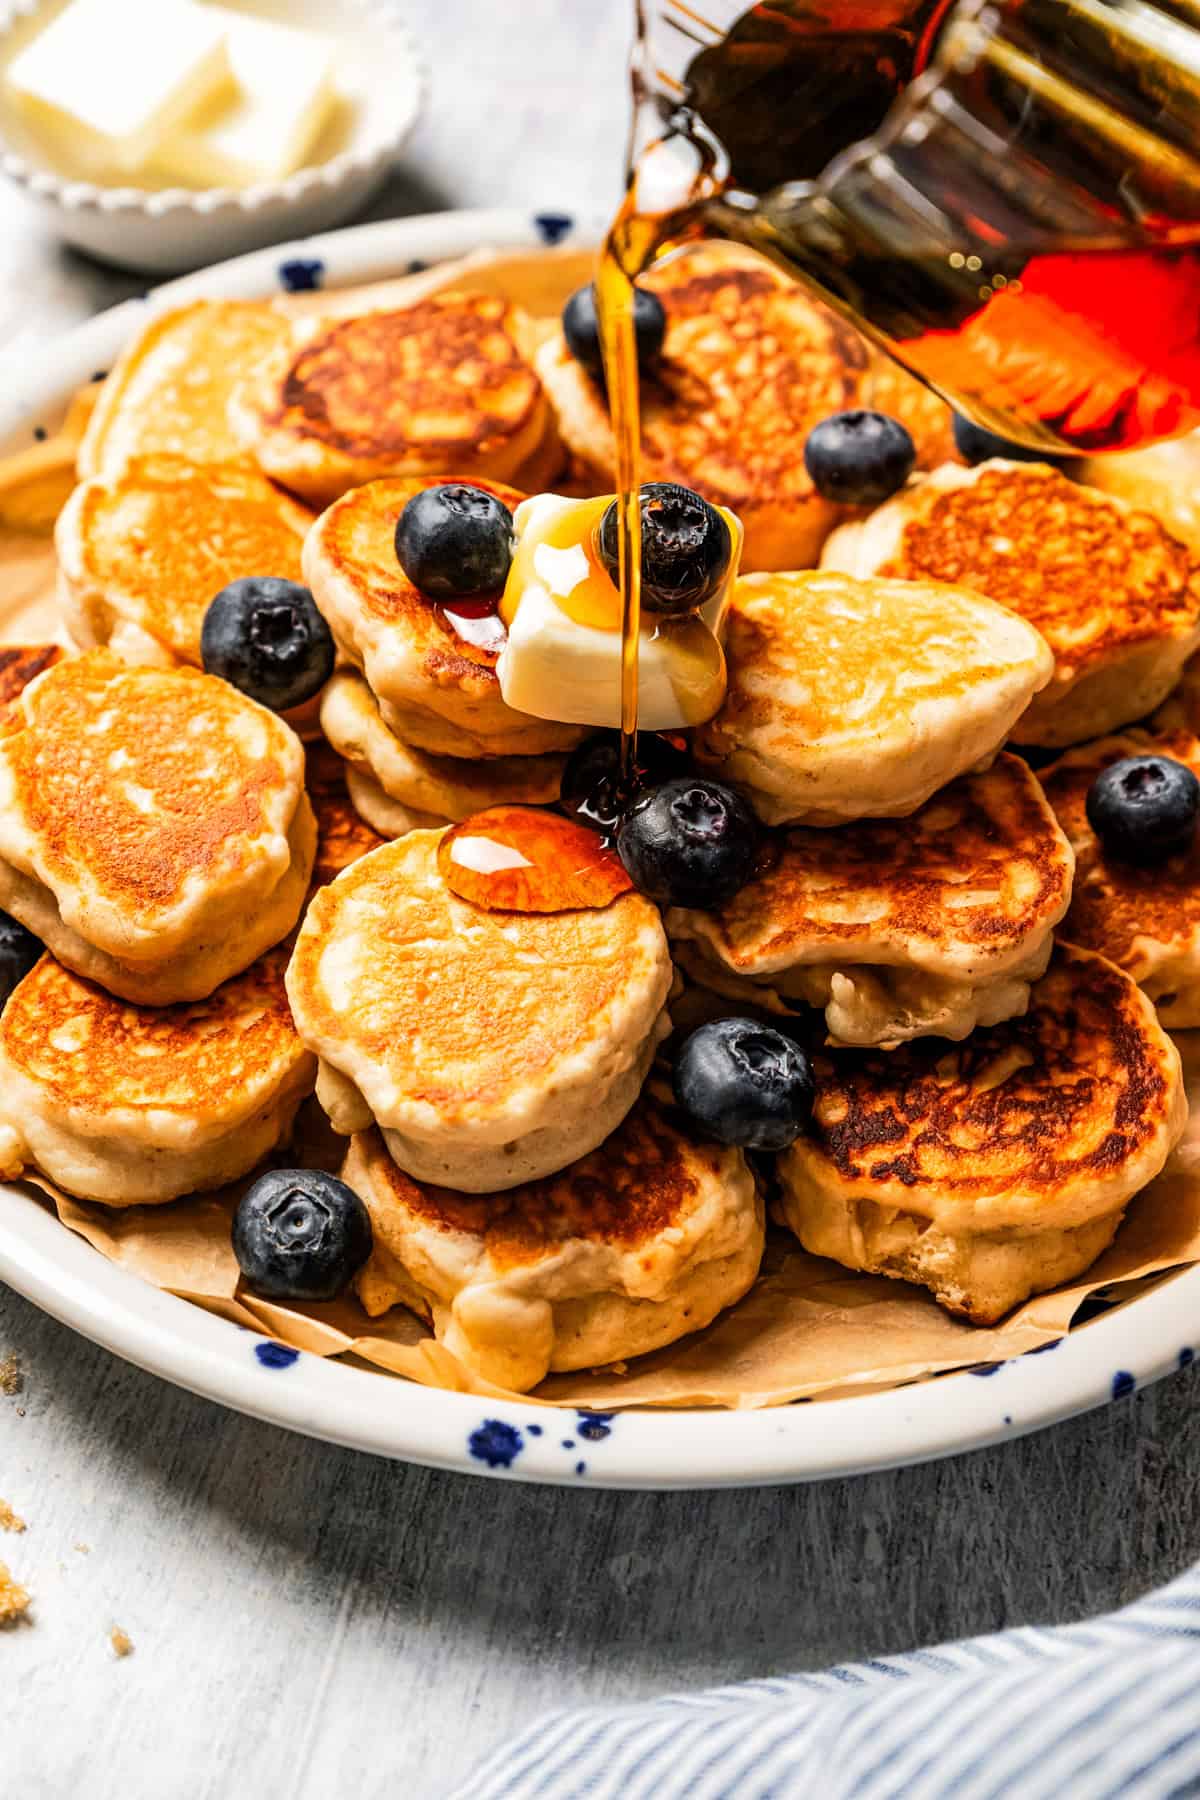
{"x":364,"y":1409}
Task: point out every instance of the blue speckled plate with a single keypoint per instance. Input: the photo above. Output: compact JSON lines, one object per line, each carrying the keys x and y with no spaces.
{"x":1103,"y":1361}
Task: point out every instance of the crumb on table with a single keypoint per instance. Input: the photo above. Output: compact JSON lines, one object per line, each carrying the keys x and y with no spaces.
{"x":14,"y":1599}
{"x":83,"y":1549}
{"x":121,"y":1642}
{"x":11,"y":1381}
{"x":9,"y":1520}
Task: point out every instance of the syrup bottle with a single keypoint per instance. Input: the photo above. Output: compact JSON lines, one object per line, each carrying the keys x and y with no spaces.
{"x":1005,"y":194}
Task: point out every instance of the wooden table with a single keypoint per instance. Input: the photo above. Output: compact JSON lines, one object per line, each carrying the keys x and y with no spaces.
{"x":308,"y":1622}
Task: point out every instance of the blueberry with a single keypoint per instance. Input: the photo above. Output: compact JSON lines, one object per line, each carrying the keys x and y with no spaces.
{"x":19,"y":950}
{"x":691,"y":842}
{"x":1144,"y":808}
{"x":266,"y":637}
{"x":455,"y":541}
{"x":591,"y":790}
{"x":686,"y":547}
{"x":581,"y":328}
{"x":859,"y":458}
{"x":976,"y":445}
{"x":300,"y":1235}
{"x":745,"y":1084}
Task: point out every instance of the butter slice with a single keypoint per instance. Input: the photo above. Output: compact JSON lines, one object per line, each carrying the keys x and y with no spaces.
{"x":108,"y":79}
{"x":556,"y":668}
{"x":285,"y":94}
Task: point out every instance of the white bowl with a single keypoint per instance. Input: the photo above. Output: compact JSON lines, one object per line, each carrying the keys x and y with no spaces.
{"x":1100,"y":1362}
{"x":166,"y":229}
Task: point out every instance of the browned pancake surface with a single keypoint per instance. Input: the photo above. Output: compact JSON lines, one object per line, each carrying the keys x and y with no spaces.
{"x":980,"y":866}
{"x":750,"y":363}
{"x":197,"y":768}
{"x":444,"y":377}
{"x":630,"y":1190}
{"x":168,"y":536}
{"x":1092,"y":579}
{"x":1075,"y":1088}
{"x":94,"y":1054}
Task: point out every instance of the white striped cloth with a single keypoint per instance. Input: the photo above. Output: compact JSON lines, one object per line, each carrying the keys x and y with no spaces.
{"x":1078,"y":1713}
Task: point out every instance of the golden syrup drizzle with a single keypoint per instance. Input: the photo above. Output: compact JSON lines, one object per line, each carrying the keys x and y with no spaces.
{"x":614,"y":291}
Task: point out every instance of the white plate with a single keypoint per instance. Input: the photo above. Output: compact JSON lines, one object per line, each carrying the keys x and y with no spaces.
{"x":1102,"y":1361}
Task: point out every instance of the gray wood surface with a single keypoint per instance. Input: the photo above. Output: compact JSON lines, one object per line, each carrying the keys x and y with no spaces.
{"x":308,"y":1622}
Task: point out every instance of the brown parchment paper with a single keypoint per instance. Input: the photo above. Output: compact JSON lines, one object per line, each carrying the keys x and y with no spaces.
{"x":807,"y":1329}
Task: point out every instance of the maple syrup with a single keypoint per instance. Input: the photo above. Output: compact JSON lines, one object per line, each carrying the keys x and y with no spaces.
{"x":477,"y":622}
{"x":527,"y":860}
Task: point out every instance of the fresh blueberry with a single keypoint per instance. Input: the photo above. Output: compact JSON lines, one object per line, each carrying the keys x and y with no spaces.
{"x":1144,"y":808}
{"x":581,"y":328}
{"x":691,"y":842}
{"x":455,"y":541}
{"x":686,"y":547}
{"x":859,"y":458}
{"x":592,"y":791}
{"x":745,"y":1084}
{"x":300,"y":1235}
{"x":976,"y":445}
{"x":266,"y":637}
{"x":19,"y":950}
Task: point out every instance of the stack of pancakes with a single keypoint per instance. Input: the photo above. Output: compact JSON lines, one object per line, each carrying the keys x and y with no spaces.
{"x":231,"y":919}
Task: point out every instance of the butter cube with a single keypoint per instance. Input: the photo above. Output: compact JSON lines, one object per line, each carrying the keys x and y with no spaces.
{"x":285,"y":95}
{"x":108,"y":79}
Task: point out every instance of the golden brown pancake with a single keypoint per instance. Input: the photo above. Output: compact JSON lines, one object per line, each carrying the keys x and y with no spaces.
{"x":1144,"y":918}
{"x":446,"y":787}
{"x":491,"y":1048}
{"x":130,"y":1104}
{"x":996,"y":1168}
{"x":435,"y":690}
{"x":19,"y":665}
{"x":169,"y":394}
{"x":642,"y":1240}
{"x":154,"y":831}
{"x":443,"y":383}
{"x":1114,"y":594}
{"x":929,"y":925}
{"x":853,"y":699}
{"x":342,"y":834}
{"x":142,"y":554}
{"x":750,"y":363}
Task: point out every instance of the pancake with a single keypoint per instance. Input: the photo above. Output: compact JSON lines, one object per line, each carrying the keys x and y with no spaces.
{"x":446,"y":787}
{"x":1114,"y":594}
{"x":343,"y":834}
{"x":169,"y":393}
{"x":385,"y":816}
{"x":19,"y":665}
{"x":435,"y":690}
{"x":1000,"y":1167}
{"x":443,"y":383}
{"x":154,"y":831}
{"x":643,"y":1240}
{"x":928,"y":926}
{"x":132,"y":1105}
{"x":750,"y":363}
{"x":859,"y":699}
{"x":1180,"y":711}
{"x":1147,"y":920}
{"x":491,"y":1048}
{"x":142,"y":554}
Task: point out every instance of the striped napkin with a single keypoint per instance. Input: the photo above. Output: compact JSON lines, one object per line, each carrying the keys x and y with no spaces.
{"x":1078,"y":1713}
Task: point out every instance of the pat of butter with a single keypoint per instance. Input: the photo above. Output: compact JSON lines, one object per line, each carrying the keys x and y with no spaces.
{"x":109,"y":78}
{"x":556,"y":667}
{"x":285,"y":97}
